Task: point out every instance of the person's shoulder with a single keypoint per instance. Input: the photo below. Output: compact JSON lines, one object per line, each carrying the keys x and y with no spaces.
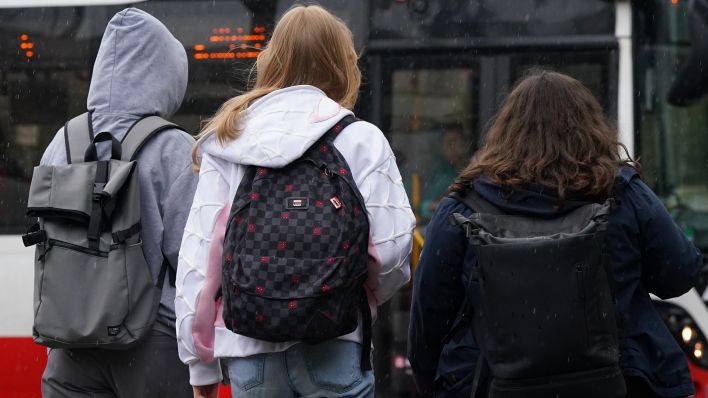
{"x":55,"y":153}
{"x":171,"y":142}
{"x":628,"y":181}
{"x":634,"y":193}
{"x":449,"y":205}
{"x":178,"y":136}
{"x":625,"y":176}
{"x":441,"y":232}
{"x":170,"y":149}
{"x":364,"y":145}
{"x":445,"y":209}
{"x":365,"y":132}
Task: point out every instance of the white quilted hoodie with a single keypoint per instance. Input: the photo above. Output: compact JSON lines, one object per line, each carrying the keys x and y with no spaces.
{"x":278,"y":129}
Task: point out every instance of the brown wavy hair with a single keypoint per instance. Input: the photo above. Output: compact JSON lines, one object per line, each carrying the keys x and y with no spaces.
{"x":550,"y":131}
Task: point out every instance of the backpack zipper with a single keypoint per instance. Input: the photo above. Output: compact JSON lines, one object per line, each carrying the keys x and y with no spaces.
{"x":580,"y":277}
{"x":76,"y":248}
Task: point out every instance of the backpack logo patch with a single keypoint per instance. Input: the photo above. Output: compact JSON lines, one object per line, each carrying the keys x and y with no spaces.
{"x":297,"y":203}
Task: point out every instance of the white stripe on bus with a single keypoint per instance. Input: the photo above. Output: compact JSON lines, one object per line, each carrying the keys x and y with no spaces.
{"x":16,"y":273}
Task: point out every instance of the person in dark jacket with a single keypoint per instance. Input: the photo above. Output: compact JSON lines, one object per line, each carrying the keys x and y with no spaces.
{"x":549,"y":148}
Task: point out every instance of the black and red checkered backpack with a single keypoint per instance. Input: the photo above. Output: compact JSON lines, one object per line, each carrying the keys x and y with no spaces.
{"x":295,"y":250}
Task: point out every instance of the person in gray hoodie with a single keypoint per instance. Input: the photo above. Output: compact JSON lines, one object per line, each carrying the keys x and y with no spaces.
{"x":140,"y":69}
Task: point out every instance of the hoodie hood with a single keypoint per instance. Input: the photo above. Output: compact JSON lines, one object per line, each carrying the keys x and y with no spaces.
{"x":278,"y":128}
{"x":531,"y":200}
{"x":539,"y":201}
{"x":140,"y":69}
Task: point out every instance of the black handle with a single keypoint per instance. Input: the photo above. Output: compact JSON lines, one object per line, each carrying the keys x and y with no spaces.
{"x":91,"y":155}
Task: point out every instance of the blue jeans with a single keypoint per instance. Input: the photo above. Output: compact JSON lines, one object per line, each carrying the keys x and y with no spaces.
{"x":326,"y":370}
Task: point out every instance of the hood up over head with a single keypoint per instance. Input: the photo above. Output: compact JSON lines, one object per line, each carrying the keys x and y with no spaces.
{"x":140,"y":69}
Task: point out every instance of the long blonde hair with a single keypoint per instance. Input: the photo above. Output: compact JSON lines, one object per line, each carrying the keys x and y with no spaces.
{"x":309,"y":46}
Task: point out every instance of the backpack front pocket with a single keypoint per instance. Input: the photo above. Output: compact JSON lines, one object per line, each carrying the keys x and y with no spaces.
{"x":81,"y":297}
{"x":284,"y":299}
{"x":142,"y":296}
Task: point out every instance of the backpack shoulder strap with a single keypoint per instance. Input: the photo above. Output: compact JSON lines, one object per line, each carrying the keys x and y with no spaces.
{"x":471,"y":199}
{"x":332,"y":133}
{"x":141,"y":132}
{"x":78,"y":134}
{"x":482,"y":377}
{"x":328,"y":139}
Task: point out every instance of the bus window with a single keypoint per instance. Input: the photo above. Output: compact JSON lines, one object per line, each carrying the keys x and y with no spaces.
{"x":444,"y":19}
{"x":46,"y":56}
{"x":354,"y":14}
{"x":672,"y":139}
{"x":431,"y":131}
{"x":222,"y":40}
{"x":436,"y":117}
{"x":593,"y":68}
{"x":46,"y":59}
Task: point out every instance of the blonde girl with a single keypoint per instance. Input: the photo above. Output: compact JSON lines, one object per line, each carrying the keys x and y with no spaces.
{"x":306,"y":81}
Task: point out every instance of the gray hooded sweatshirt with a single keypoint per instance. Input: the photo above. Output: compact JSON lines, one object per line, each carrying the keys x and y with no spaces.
{"x":141,"y":69}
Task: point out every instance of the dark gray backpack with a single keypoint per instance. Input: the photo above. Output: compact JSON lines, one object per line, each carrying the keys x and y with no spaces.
{"x":546,"y":319}
{"x":92,"y":285}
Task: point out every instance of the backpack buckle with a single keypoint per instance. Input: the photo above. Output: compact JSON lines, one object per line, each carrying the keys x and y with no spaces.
{"x":98,"y":188}
{"x":326,"y":171}
{"x":34,"y":235}
{"x":33,"y":238}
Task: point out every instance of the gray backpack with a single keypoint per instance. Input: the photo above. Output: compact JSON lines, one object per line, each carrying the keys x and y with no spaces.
{"x":92,"y":285}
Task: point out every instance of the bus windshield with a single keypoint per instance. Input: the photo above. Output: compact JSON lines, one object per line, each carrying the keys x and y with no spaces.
{"x":672,"y":139}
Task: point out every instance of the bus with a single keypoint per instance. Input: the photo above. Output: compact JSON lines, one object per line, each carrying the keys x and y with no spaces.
{"x":434,"y":73}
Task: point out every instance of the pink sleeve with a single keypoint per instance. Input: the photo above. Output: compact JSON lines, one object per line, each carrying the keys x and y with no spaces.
{"x":206,"y":312}
{"x":372,"y":282}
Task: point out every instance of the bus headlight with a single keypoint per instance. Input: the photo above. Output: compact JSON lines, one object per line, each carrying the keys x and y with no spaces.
{"x":698,"y":350}
{"x":688,"y":333}
{"x":685,"y":331}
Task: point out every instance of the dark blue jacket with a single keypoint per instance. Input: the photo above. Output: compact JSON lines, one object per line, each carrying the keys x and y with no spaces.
{"x":648,"y":253}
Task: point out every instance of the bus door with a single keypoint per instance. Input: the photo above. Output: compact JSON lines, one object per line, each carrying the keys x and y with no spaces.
{"x":428,"y":107}
{"x":670,"y":52}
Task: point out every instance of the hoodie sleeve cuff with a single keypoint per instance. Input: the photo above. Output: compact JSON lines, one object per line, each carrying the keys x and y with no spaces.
{"x":204,"y":374}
